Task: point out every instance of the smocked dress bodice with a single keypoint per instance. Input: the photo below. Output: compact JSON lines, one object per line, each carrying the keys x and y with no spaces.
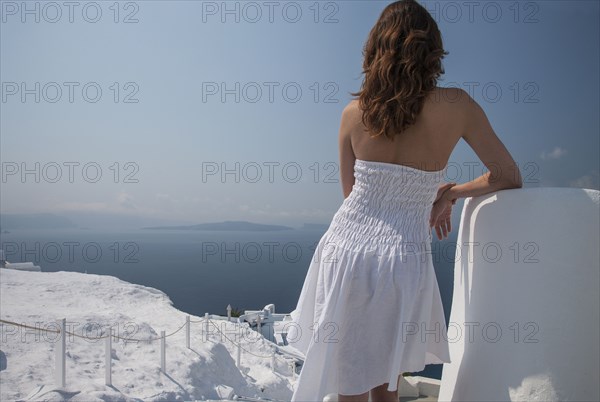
{"x":388,"y":208}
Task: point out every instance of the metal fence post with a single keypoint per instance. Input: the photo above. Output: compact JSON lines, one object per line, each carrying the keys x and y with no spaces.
{"x":206,"y":326}
{"x":187,"y":331}
{"x":108,"y":358}
{"x":163,"y":346}
{"x":60,"y":360}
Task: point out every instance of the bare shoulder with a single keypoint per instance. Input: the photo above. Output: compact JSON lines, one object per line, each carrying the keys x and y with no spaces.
{"x":351,"y":115}
{"x":458,"y":102}
{"x":454,"y":102}
{"x":449,"y":96}
{"x":351,"y":109}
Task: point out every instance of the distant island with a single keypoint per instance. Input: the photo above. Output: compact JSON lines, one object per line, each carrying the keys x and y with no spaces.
{"x":226,"y":225}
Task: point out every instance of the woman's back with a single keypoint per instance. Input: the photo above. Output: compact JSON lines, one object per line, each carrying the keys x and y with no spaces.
{"x":426,"y":145}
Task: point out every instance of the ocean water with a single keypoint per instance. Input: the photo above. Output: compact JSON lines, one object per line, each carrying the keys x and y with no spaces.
{"x":200,"y":271}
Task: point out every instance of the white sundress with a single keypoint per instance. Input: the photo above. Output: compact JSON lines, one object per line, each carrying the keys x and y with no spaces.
{"x":370,"y":307}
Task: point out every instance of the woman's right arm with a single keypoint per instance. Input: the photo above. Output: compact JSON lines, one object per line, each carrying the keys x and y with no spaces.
{"x":503,"y":171}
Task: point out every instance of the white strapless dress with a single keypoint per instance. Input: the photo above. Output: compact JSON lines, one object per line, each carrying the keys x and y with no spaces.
{"x":370,"y":307}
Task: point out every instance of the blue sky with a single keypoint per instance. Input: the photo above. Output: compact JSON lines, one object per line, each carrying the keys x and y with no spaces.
{"x":167,"y":121}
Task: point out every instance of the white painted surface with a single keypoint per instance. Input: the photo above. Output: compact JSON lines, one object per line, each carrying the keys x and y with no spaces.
{"x":23,"y":266}
{"x":547,"y":310}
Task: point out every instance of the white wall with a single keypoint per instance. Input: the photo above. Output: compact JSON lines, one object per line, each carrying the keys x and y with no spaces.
{"x":547,"y":311}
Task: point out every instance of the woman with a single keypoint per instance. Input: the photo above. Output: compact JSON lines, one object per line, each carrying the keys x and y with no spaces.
{"x":370,"y":306}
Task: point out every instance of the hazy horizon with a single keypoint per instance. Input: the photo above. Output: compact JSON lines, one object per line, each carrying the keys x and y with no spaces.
{"x":103,"y":221}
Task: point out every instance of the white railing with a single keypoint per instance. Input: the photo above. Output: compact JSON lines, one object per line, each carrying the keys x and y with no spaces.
{"x":109,"y":335}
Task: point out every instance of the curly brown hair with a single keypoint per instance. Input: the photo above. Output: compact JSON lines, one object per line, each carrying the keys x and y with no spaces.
{"x":402,"y":63}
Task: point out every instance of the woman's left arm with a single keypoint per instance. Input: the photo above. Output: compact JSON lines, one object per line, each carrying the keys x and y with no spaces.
{"x":346,"y":153}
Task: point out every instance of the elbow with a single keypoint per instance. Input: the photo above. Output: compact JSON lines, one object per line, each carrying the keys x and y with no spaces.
{"x":518,"y":181}
{"x":508,"y":181}
{"x":511,"y":184}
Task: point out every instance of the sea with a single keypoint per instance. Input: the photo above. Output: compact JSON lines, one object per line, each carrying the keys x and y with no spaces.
{"x":201,"y":271}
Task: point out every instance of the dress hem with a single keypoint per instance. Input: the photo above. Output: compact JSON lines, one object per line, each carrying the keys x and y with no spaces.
{"x":438,"y":361}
